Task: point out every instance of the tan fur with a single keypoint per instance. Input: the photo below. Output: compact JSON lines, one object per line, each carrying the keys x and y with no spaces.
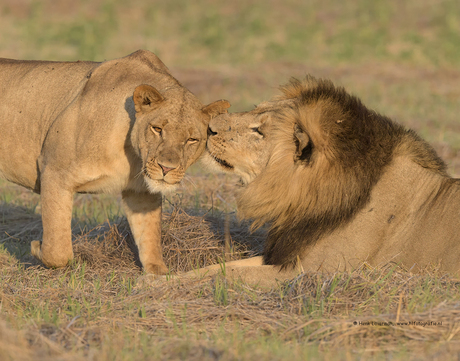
{"x":125,"y":125}
{"x":338,"y":184}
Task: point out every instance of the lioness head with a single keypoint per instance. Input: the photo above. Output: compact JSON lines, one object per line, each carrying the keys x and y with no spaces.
{"x":170,"y":133}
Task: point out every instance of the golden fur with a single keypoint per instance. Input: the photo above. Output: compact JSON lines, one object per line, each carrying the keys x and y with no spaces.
{"x":125,"y":125}
{"x":338,"y":184}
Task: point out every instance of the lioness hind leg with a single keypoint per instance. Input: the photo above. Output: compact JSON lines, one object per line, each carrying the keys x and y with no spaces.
{"x":56,"y":248}
{"x":143,"y":211}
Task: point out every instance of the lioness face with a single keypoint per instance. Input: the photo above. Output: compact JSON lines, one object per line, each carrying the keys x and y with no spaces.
{"x":239,"y":143}
{"x":171,"y":135}
{"x":171,"y":148}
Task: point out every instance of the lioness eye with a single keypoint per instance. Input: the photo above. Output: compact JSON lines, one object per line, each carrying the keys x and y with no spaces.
{"x":156,"y":129}
{"x":257,"y":130}
{"x":192,"y":140}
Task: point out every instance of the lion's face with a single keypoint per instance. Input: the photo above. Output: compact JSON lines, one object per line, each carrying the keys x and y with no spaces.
{"x":240,"y":143}
{"x":170,"y":134}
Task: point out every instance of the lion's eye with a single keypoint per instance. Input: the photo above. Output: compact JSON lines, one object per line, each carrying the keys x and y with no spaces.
{"x":156,"y":129}
{"x":257,"y":130}
{"x":192,"y":140}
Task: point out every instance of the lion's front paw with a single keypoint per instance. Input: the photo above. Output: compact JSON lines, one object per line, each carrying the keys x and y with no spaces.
{"x":157,"y":269}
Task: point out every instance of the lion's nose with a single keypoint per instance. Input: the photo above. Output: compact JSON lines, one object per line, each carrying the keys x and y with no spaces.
{"x":165,"y":169}
{"x":211,"y":132}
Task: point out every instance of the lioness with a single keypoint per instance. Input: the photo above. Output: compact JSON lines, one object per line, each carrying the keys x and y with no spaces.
{"x":339,"y":185}
{"x":83,"y":127}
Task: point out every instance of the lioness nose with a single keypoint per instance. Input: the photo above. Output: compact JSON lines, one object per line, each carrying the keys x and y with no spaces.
{"x":165,"y":169}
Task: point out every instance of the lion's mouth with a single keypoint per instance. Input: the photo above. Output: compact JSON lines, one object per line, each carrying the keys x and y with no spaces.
{"x":223,"y":163}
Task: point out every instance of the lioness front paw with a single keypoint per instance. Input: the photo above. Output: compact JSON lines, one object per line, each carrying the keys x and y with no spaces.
{"x":54,"y":259}
{"x":157,"y":269}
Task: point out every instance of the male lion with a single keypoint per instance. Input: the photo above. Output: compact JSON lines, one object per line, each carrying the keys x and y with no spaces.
{"x":339,"y":185}
{"x":82,"y":127}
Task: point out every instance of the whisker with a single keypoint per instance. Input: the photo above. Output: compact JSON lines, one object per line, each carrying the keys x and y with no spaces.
{"x":141,"y":173}
{"x":188,"y":179}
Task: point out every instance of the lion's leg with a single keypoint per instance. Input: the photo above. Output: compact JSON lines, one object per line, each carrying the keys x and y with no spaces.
{"x":251,"y":271}
{"x":265,"y":276}
{"x":56,"y":248}
{"x":222,"y":267}
{"x":247,"y":262}
{"x":143,"y":211}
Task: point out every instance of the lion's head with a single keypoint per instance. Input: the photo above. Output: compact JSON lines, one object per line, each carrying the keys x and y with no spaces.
{"x":170,"y":133}
{"x":242,"y":143}
{"x":309,"y":159}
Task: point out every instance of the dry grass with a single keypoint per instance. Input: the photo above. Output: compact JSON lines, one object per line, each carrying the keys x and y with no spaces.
{"x":99,"y":306}
{"x":188,"y":241}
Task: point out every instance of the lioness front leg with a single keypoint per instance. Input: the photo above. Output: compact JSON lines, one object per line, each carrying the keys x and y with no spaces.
{"x":143,"y":211}
{"x":56,"y":248}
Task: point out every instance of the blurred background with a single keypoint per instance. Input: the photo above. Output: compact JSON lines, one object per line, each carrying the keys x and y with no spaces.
{"x":402,"y":58}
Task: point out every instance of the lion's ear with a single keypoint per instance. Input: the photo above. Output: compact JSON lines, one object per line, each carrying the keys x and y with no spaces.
{"x":216,"y":108}
{"x":146,"y":98}
{"x":304,"y":145}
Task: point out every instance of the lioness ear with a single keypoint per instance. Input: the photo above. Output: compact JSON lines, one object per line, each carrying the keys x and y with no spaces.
{"x":304,"y":145}
{"x":146,"y":98}
{"x":216,"y":108}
